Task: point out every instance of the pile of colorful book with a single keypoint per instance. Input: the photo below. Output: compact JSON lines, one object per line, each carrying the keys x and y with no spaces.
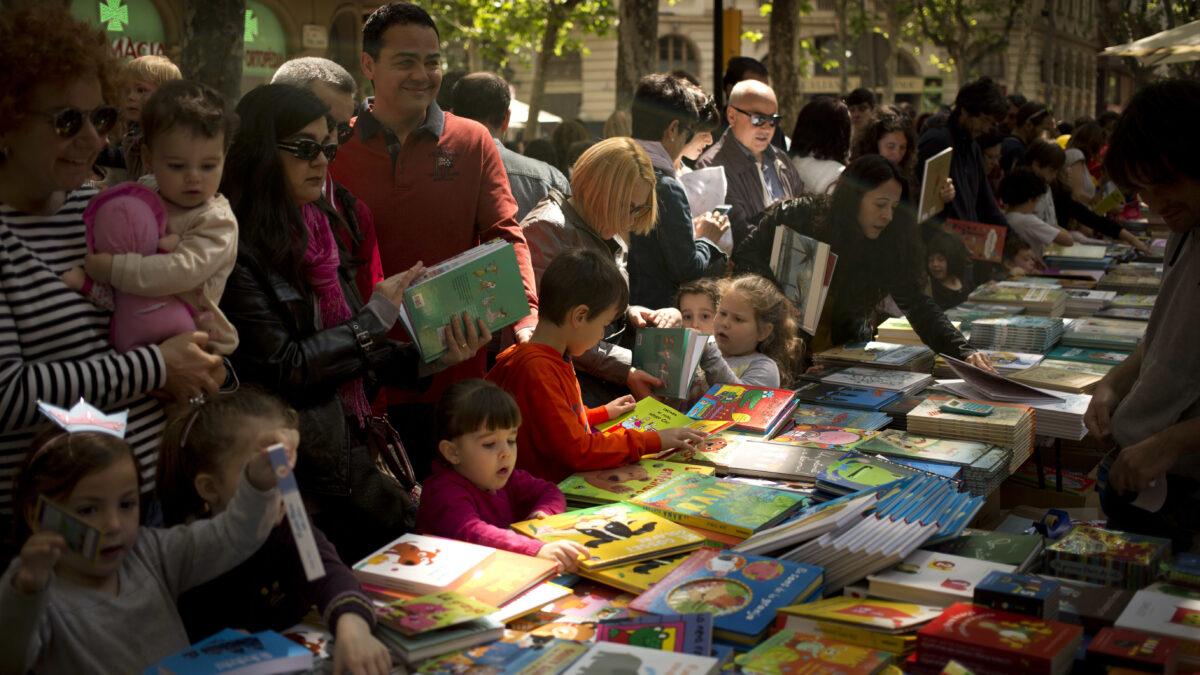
{"x":1081,"y":302}
{"x":889,"y":356}
{"x":1009,"y":426}
{"x":900,"y":331}
{"x":1040,"y":299}
{"x":1022,"y":333}
{"x":1104,"y":334}
{"x":904,"y":382}
{"x":966,"y":313}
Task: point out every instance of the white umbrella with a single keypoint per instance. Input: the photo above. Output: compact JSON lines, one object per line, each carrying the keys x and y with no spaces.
{"x":1177,"y":45}
{"x":519,"y":113}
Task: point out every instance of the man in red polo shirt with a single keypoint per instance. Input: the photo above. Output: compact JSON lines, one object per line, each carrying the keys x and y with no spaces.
{"x":435,"y":183}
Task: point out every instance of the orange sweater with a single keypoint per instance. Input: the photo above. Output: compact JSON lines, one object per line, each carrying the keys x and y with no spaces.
{"x":556,"y":437}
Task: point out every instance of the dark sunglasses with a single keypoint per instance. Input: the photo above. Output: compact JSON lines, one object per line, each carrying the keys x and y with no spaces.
{"x":69,"y":121}
{"x":758,"y":119}
{"x":344,"y":132}
{"x":307,"y":150}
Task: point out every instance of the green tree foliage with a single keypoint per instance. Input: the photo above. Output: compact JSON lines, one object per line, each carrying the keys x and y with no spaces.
{"x":968,"y":30}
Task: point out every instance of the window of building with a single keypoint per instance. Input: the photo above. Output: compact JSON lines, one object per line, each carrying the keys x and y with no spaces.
{"x":565,"y":67}
{"x":676,"y":52}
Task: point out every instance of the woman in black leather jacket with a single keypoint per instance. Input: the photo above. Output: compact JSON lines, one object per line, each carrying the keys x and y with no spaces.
{"x":873,"y":233}
{"x":305,"y":330}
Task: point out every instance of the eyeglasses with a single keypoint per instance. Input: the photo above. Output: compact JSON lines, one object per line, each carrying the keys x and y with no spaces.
{"x":639,"y":209}
{"x":759,"y":119}
{"x":344,"y":132}
{"x":307,"y":150}
{"x":69,"y":121}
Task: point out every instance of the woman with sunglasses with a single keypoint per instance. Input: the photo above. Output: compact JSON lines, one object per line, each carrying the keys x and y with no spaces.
{"x":305,"y":330}
{"x":54,"y":342}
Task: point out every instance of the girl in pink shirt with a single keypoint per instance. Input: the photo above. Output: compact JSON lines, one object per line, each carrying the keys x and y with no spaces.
{"x":476,"y":492}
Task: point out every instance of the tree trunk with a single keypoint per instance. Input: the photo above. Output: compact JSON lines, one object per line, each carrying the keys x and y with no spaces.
{"x":554,"y":22}
{"x":783,"y":34}
{"x":890,"y":69}
{"x":213,"y":46}
{"x":637,"y":47}
{"x":841,"y":7}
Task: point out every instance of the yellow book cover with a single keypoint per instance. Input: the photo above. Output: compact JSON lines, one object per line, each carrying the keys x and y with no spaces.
{"x":613,"y":534}
{"x":635,"y":577}
{"x":855,"y":635}
{"x":885,"y":615}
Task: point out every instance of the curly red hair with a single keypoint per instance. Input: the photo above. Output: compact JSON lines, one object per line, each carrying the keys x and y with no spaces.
{"x":49,"y":45}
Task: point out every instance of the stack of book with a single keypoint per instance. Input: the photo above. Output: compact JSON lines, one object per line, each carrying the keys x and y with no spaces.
{"x":514,"y":652}
{"x":878,"y":355}
{"x":721,"y":505}
{"x":611,"y":657}
{"x":759,"y":410}
{"x":1092,"y":368}
{"x":1085,"y":303}
{"x":877,"y":378}
{"x":1116,"y":649}
{"x":854,"y":472}
{"x":1077,"y":257}
{"x":966,"y":313}
{"x":847,"y":396}
{"x":932,"y":578}
{"x":1047,"y":376}
{"x":1104,"y":334}
{"x":789,"y":651}
{"x":1132,"y":313}
{"x":1018,"y":333}
{"x":1132,"y":278}
{"x":1008,"y":426}
{"x":984,"y":640}
{"x":809,"y":413}
{"x":1041,"y":300}
{"x":823,"y":437}
{"x":984,"y":466}
{"x":1005,"y":363}
{"x":866,"y":622}
{"x":1137,"y":300}
{"x":899,"y":409}
{"x":900,"y":331}
{"x":1090,"y":356}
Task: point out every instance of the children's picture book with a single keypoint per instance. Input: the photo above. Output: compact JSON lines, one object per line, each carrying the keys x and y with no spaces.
{"x":755,"y":409}
{"x":801,"y":265}
{"x":903,"y":444}
{"x":1170,"y":611}
{"x":484,"y":282}
{"x":721,"y":505}
{"x":821,"y":437}
{"x":1019,"y":550}
{"x":613,"y":534}
{"x":1108,"y":557}
{"x":421,"y":565}
{"x":790,"y":651}
{"x":232,"y":651}
{"x":848,"y":396}
{"x":1133,"y":313}
{"x":854,"y":472}
{"x":516,"y":653}
{"x":884,"y":616}
{"x":1076,"y":251}
{"x":937,"y":170}
{"x":998,"y":640}
{"x":590,"y":602}
{"x":983,"y":241}
{"x":830,"y":416}
{"x":606,"y":486}
{"x":614,"y":658}
{"x":930,"y":578}
{"x":417,"y":648}
{"x":636,"y":577}
{"x":649,"y":414}
{"x":816,"y":520}
{"x":499,"y":580}
{"x":879,"y":378}
{"x":741,"y":591}
{"x":1047,"y":377}
{"x":430,"y":612}
{"x":671,"y":355}
{"x":685,"y":633}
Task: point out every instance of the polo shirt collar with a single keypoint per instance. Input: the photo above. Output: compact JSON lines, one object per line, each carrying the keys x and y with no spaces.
{"x":368,"y":125}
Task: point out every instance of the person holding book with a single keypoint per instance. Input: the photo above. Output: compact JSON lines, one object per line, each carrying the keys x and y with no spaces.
{"x":697,"y":301}
{"x":1022,"y":191}
{"x":306,"y":333}
{"x":879,"y":254}
{"x":1150,"y":403}
{"x":476,"y":491}
{"x":756,"y":339}
{"x":203,"y":449}
{"x":891,"y":134}
{"x":581,"y":291}
{"x":946,"y":262}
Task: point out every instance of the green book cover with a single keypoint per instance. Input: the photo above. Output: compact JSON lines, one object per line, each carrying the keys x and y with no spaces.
{"x":484,"y":281}
{"x":430,"y":612}
{"x":721,"y":505}
{"x":618,"y":484}
{"x":671,"y":355}
{"x":649,"y":414}
{"x":897,"y":443}
{"x":1009,"y":549}
{"x":1082,"y":355}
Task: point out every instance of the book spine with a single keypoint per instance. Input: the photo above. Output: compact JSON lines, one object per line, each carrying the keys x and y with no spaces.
{"x":1025,"y":663}
{"x":698,"y":521}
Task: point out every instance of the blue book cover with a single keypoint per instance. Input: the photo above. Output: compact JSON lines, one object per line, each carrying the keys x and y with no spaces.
{"x":855,"y":472}
{"x":741,"y":591}
{"x":950,"y":471}
{"x":1021,"y":585}
{"x":845,"y":395}
{"x":232,"y":650}
{"x":848,"y":418}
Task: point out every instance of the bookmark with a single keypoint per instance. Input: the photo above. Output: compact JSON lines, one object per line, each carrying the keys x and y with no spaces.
{"x":306,"y":543}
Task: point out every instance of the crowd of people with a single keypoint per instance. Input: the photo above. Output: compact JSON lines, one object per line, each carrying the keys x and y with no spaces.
{"x":221,"y":277}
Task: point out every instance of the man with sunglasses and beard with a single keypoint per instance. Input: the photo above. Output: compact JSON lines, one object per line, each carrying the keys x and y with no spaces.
{"x":678,"y":249}
{"x":759,"y":174}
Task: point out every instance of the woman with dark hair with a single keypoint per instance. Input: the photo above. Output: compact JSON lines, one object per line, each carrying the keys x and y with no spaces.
{"x":892,"y":135}
{"x":946,"y":261}
{"x":306,"y":331}
{"x":821,"y":142}
{"x":879,"y":254}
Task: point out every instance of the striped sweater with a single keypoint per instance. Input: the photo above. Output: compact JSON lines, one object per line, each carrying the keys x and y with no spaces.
{"x":54,"y":343}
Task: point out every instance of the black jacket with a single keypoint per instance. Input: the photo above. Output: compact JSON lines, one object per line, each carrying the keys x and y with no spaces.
{"x":973,"y":199}
{"x":855,"y":290}
{"x":284,"y":349}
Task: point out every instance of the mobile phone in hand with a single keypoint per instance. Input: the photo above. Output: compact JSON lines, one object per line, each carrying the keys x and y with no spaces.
{"x":721,"y":209}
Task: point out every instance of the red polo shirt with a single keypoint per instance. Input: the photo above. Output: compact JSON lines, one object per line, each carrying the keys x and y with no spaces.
{"x":434,"y":195}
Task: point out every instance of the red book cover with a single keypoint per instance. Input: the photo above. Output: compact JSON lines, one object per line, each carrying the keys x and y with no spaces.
{"x":983,"y":241}
{"x":1120,"y":647}
{"x":994,"y":639}
{"x":755,"y":409}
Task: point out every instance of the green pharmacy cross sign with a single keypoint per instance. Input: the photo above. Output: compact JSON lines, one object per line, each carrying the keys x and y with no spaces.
{"x":116,"y":15}
{"x":251,"y":26}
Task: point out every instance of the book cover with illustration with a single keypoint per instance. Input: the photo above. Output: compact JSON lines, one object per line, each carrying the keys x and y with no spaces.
{"x":613,"y":658}
{"x":983,"y":241}
{"x":1009,"y":549}
{"x":684,"y":633}
{"x":821,"y":437}
{"x":878,"y":353}
{"x":931,"y":578}
{"x":892,"y":442}
{"x":790,"y":652}
{"x":882,"y":615}
{"x":853,"y":472}
{"x":430,"y":612}
{"x":232,"y":651}
{"x":1082,"y":355}
{"x":1108,"y":557}
{"x":1045,"y":376}
{"x":636,"y":577}
{"x":800,"y":264}
{"x":997,"y":640}
{"x":590,"y":602}
{"x":606,"y":486}
{"x":721,"y":505}
{"x":845,"y":395}
{"x":505,"y":576}
{"x":831,"y":416}
{"x":715,"y":450}
{"x":484,"y":282}
{"x":741,"y":591}
{"x":1170,"y":611}
{"x":671,"y":355}
{"x":517,"y":653}
{"x":756,"y":409}
{"x":614,"y":533}
{"x":933,"y":177}
{"x":648,"y":415}
{"x":739,"y":455}
{"x":1135,"y":650}
{"x":420,"y":564}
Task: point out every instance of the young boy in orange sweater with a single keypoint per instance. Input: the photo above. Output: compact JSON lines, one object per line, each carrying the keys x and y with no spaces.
{"x":581,"y":292}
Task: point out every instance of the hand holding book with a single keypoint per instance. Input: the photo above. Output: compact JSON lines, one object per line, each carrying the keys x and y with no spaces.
{"x":394,"y":286}
{"x":565,"y":552}
{"x":620,"y":406}
{"x":464,"y":337}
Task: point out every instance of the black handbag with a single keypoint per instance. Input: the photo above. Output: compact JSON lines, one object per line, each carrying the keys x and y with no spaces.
{"x":388,"y":453}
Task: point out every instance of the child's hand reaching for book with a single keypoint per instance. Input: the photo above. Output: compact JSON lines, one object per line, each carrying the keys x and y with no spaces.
{"x":620,"y":406}
{"x":677,"y":437}
{"x":641,"y":383}
{"x":39,"y":555}
{"x":356,"y":650}
{"x":565,"y":553}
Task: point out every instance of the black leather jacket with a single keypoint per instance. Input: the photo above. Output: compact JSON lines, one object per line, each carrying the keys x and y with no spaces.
{"x":284,"y":349}
{"x":855,"y":290}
